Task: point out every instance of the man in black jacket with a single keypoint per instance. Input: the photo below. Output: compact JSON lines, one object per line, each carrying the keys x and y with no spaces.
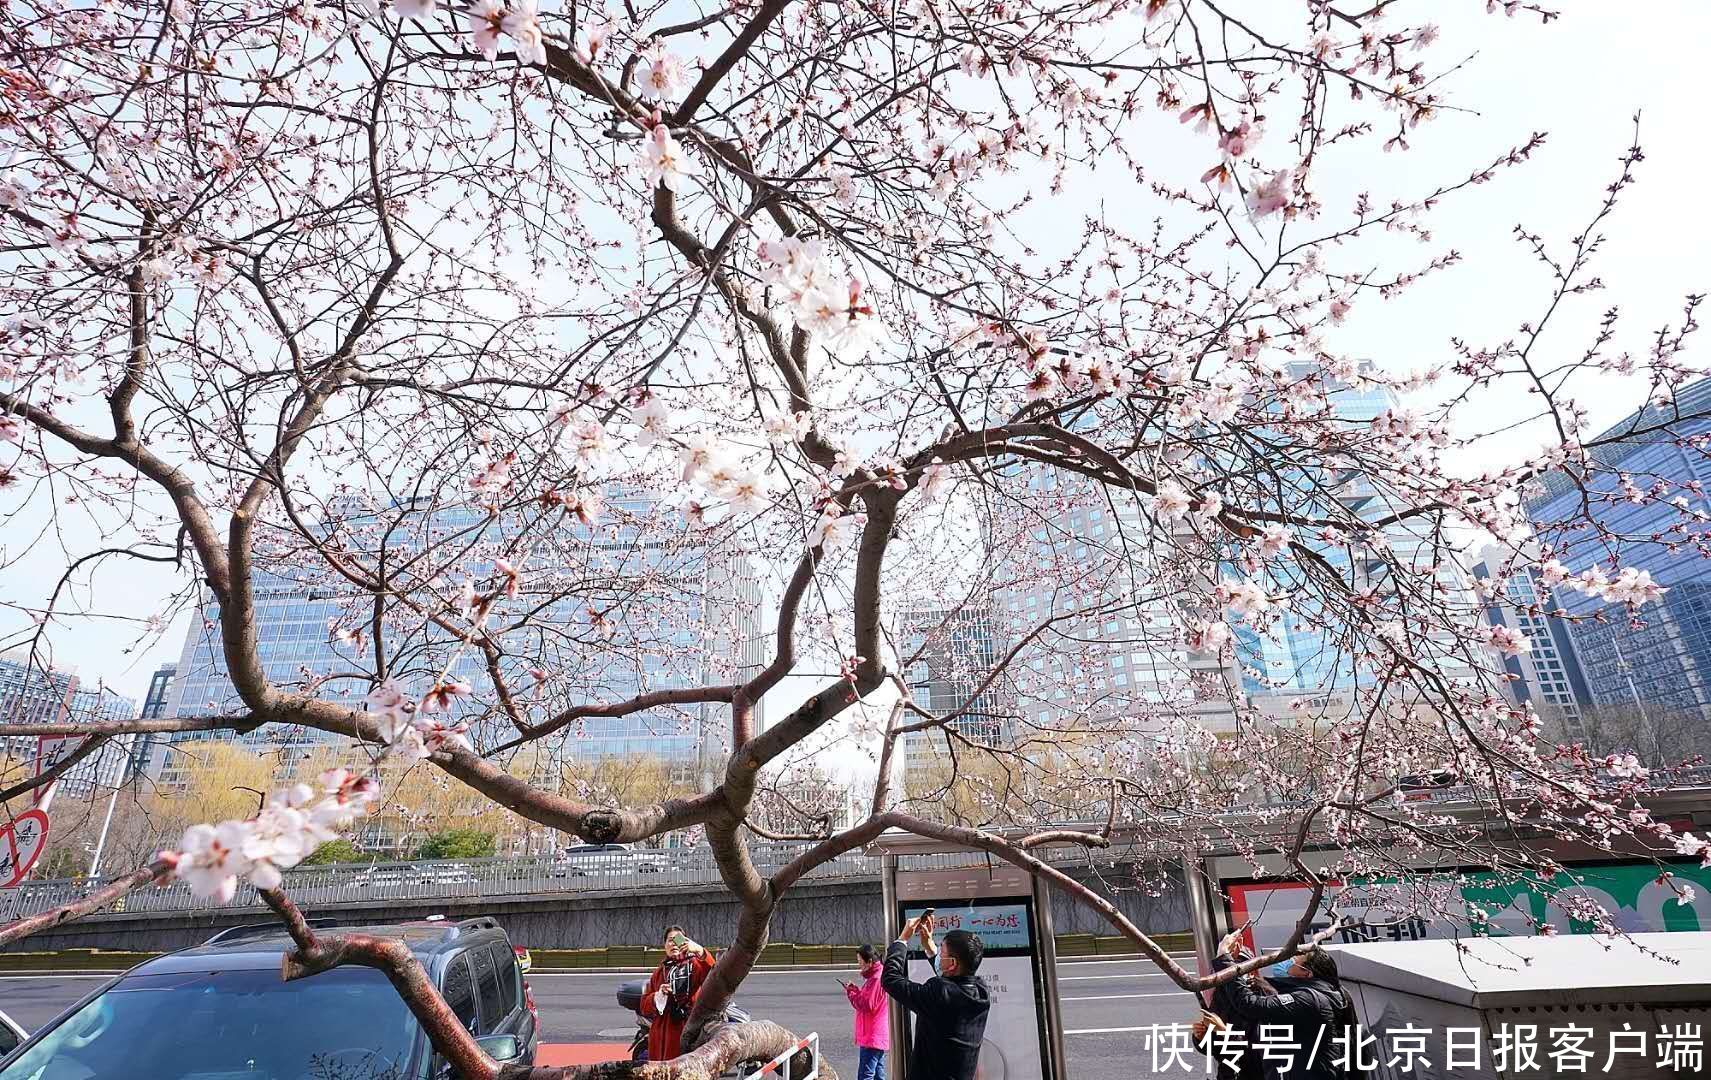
{"x":1312,"y":1005}
{"x":950,"y":1008}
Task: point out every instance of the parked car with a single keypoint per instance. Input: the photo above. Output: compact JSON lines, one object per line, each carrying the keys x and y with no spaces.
{"x":221,"y":1010}
{"x":11,"y":1035}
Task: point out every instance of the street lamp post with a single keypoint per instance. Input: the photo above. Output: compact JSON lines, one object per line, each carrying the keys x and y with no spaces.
{"x":107,"y":822}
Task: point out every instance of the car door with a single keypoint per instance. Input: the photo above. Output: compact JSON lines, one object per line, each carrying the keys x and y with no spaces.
{"x":457,"y":986}
{"x":493,"y":1018}
{"x":521,"y":1021}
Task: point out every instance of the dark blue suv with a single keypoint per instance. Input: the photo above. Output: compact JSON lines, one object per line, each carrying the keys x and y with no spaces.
{"x":221,"y":1011}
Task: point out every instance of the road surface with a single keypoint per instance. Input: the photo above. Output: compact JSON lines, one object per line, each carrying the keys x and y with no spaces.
{"x":1108,"y":1006}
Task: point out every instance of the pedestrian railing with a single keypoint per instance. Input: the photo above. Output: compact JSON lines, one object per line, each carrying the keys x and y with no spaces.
{"x":779,"y":1067}
{"x":644,"y":870}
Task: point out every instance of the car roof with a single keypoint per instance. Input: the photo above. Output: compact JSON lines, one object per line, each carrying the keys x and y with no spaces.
{"x":260,"y":945}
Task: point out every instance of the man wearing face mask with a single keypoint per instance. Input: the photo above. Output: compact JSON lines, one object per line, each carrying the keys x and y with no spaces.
{"x":1309,"y":1001}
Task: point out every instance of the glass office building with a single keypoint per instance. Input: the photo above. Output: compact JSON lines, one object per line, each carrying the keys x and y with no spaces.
{"x":1306,"y":653}
{"x":31,"y":695}
{"x":1655,"y":661}
{"x":1548,"y":676}
{"x":603,"y":613}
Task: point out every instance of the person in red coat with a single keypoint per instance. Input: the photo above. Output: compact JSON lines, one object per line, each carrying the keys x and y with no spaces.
{"x":671,"y":992}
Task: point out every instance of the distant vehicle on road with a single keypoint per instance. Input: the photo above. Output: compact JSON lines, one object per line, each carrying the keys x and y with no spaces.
{"x":595,"y":860}
{"x":221,"y":1010}
{"x":524,"y":962}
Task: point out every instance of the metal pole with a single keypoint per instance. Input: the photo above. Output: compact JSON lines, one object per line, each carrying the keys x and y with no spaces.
{"x":1046,"y":950}
{"x":899,"y":1021}
{"x":1199,"y":911}
{"x":107,"y":822}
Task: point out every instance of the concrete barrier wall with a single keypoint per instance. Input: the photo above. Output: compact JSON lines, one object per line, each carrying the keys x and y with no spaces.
{"x":839,"y":913}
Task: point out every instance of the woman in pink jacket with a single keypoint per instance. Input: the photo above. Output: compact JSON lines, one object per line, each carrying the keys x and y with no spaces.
{"x":872,"y":1016}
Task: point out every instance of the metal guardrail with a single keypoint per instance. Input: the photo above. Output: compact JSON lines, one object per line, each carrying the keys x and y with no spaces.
{"x":638,"y":870}
{"x":643,"y":870}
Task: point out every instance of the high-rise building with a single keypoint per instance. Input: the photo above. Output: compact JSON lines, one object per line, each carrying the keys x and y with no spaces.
{"x":604,"y":613}
{"x":1651,"y":667}
{"x":148,"y":750}
{"x":1548,"y":676}
{"x":950,"y":656}
{"x":1308,"y":652}
{"x":29,"y":694}
{"x":109,"y":766}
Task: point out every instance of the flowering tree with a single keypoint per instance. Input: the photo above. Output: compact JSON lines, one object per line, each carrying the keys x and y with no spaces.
{"x":494,"y":319}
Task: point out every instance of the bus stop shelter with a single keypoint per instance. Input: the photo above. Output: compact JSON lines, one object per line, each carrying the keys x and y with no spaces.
{"x":1011,"y":911}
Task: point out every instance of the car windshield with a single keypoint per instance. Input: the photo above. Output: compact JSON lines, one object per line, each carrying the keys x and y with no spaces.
{"x":344,"y":1024}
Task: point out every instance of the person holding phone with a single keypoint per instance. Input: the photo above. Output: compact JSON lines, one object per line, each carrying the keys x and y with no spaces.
{"x":671,"y":993}
{"x":872,"y":1018}
{"x":950,"y":1008}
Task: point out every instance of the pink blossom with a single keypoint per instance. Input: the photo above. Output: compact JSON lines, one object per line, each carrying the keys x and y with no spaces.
{"x":1268,"y":195}
{"x":1209,"y":636}
{"x":663,"y":160}
{"x":210,"y":858}
{"x":441,"y":697}
{"x":933,"y":479}
{"x":788,"y":428}
{"x":1274,"y":541}
{"x":415,"y":9}
{"x":592,"y":41}
{"x":10,"y":429}
{"x":522,"y":23}
{"x":835,"y":529}
{"x":663,"y":79}
{"x":1040,"y":385}
{"x":1245,"y":598}
{"x":1172,"y":502}
{"x":486,"y":22}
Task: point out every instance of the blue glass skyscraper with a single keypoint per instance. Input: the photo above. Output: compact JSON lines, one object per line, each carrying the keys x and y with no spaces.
{"x":1656,"y":660}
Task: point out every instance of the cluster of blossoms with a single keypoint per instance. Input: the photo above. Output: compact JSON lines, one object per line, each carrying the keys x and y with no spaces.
{"x":492,"y":474}
{"x":1690,"y":845}
{"x":583,"y":435}
{"x":820,"y":299}
{"x":835,"y":528}
{"x":745,"y":489}
{"x":1407,"y":432}
{"x":293,"y":823}
{"x":1245,"y":599}
{"x":1052,"y":373}
{"x":414,"y":731}
{"x":1630,"y":586}
{"x":488,"y":21}
{"x":1209,"y":636}
{"x":1508,"y":640}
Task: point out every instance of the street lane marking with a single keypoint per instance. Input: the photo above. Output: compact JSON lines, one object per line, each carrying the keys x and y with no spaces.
{"x":57,"y":975}
{"x":1107,"y":1031}
{"x":1133,"y":975}
{"x":1122,"y":997}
